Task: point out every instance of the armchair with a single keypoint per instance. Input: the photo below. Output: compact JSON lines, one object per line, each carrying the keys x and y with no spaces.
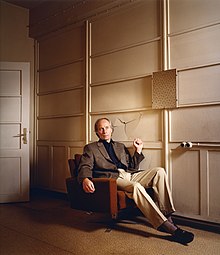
{"x":106,"y":198}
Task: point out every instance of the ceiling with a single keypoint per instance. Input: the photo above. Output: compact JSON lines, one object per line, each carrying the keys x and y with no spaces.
{"x":28,"y":4}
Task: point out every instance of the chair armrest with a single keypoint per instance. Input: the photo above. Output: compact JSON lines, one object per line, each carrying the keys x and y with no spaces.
{"x":105,"y":194}
{"x":104,"y":199}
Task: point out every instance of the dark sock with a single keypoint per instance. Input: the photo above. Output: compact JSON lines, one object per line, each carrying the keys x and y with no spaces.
{"x":168,"y":227}
{"x":170,"y":220}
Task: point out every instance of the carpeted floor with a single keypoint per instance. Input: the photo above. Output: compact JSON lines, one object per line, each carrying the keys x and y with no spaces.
{"x":48,"y":226}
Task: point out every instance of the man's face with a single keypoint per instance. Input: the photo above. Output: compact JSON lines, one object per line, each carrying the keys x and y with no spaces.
{"x":104,"y":130}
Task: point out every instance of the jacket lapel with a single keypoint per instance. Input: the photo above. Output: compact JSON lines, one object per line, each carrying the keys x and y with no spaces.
{"x":103,"y":150}
{"x":117,"y":150}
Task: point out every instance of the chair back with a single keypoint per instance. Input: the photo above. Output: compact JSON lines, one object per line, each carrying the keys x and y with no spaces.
{"x":74,"y":165}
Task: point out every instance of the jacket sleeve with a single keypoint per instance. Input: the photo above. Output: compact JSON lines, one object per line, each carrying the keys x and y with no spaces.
{"x":86,"y":164}
{"x":134,"y":161}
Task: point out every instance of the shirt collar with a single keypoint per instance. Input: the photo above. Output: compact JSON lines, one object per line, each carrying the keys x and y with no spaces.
{"x":104,"y":141}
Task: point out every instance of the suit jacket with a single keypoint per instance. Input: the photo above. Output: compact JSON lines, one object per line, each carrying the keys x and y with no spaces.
{"x":96,"y":163}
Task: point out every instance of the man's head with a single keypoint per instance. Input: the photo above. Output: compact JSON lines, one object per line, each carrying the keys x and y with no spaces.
{"x":103,"y":129}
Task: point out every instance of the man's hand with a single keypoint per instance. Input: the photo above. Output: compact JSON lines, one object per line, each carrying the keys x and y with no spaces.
{"x":138,"y":144}
{"x":88,"y":186}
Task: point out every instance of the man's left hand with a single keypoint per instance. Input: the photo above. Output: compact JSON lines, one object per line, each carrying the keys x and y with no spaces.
{"x":138,"y":144}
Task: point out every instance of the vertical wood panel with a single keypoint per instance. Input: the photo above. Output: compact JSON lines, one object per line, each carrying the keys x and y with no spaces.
{"x":213,"y":184}
{"x":153,"y":158}
{"x":43,"y":166}
{"x":59,"y":172}
{"x":74,"y":150}
{"x":186,"y":181}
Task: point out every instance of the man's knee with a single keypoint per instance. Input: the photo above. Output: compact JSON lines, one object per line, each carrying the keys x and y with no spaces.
{"x":138,"y":186}
{"x":161,"y":171}
{"x":158,"y":171}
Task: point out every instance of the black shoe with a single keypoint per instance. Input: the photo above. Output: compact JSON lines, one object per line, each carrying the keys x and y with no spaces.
{"x":182,"y":236}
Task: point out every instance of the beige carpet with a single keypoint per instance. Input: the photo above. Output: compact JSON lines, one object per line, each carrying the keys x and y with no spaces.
{"x":48,"y":226}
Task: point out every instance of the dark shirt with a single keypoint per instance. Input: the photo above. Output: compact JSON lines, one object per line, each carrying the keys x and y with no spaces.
{"x":109,"y":148}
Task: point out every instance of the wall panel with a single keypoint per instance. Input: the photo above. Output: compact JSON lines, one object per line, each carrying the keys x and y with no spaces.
{"x":63,"y":77}
{"x":186,"y":15}
{"x":61,"y":129}
{"x":125,"y":95}
{"x":153,"y":158}
{"x":199,"y":124}
{"x":199,"y":86}
{"x":62,"y":48}
{"x":72,"y":150}
{"x":135,"y":25}
{"x":43,"y":166}
{"x":128,"y":126}
{"x":63,"y":103}
{"x":186,"y":181}
{"x":213,"y":184}
{"x":195,"y":48}
{"x":59,"y":168}
{"x":140,"y":60}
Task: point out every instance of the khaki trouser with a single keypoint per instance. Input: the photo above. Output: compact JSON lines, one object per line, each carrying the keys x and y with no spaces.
{"x":134,"y":186}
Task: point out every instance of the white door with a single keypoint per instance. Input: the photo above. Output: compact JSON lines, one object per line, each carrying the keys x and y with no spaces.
{"x":14,"y":130}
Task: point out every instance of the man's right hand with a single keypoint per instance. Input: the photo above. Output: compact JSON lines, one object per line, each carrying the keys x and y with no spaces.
{"x":88,"y":186}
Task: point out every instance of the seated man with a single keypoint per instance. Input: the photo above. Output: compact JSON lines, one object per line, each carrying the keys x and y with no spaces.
{"x":107,"y":158}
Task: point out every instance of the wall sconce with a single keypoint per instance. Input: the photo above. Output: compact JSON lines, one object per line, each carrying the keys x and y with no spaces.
{"x":164,"y":89}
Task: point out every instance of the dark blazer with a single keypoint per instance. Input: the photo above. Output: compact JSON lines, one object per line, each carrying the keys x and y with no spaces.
{"x":96,"y":163}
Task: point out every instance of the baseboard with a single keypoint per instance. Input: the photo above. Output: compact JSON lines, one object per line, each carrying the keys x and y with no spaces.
{"x":199,"y":224}
{"x":48,"y":193}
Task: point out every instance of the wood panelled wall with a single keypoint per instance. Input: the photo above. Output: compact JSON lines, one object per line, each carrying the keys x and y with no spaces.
{"x":61,"y":105}
{"x":125,"y":48}
{"x":102,"y":65}
{"x":193,"y":35}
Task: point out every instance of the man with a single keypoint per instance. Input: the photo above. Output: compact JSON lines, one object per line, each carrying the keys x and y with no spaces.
{"x":107,"y":158}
